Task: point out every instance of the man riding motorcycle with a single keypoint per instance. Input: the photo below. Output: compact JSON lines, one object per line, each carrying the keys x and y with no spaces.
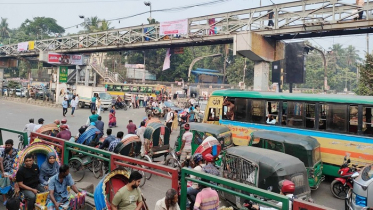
{"x":119,"y":101}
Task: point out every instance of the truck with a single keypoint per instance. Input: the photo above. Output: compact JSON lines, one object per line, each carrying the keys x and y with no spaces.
{"x":86,"y":93}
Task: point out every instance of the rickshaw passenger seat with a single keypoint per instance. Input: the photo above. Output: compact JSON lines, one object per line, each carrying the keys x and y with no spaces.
{"x":41,"y":200}
{"x":214,"y":150}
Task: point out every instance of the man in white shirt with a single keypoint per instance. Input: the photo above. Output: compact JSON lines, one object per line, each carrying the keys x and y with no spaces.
{"x":29,"y":127}
{"x":154,"y":104}
{"x":271,"y":120}
{"x":192,"y":101}
{"x":140,"y":132}
{"x":186,"y":146}
{"x":169,"y":118}
{"x":169,"y":202}
{"x":41,"y":122}
{"x":77,"y":101}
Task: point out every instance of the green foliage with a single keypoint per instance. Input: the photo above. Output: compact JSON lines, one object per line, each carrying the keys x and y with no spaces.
{"x":13,"y":84}
{"x":366,"y":77}
{"x":341,"y":68}
{"x":94,"y":24}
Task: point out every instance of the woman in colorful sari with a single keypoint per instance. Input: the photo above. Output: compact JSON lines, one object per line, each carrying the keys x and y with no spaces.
{"x":48,"y":169}
{"x":112,"y":118}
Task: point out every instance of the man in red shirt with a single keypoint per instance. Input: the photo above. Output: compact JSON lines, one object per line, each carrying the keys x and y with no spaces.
{"x":131,"y":127}
{"x":64,"y":133}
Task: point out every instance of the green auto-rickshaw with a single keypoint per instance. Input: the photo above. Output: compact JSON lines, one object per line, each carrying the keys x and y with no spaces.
{"x":264,"y":169}
{"x":305,"y":148}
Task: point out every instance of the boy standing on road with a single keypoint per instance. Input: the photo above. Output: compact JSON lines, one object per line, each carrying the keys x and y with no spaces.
{"x":64,"y":107}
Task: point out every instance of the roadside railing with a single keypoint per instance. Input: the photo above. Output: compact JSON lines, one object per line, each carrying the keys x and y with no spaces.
{"x":23,"y":134}
{"x":241,"y":190}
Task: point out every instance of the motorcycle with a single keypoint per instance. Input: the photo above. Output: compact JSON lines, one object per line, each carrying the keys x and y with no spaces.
{"x":341,"y":185}
{"x":120,"y":105}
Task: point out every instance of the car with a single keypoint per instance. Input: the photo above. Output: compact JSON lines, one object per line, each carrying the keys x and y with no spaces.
{"x":171,"y":105}
{"x":20,"y":93}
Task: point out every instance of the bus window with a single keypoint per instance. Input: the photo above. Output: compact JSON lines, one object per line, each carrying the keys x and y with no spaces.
{"x":336,"y":118}
{"x":295,"y":114}
{"x":352,"y":128}
{"x":228,"y":107}
{"x":213,"y":114}
{"x":240,"y":111}
{"x":322,"y":118}
{"x":284,"y":112}
{"x":310,"y":116}
{"x":118,"y":88}
{"x":257,"y":111}
{"x":367,"y":121}
{"x":109,"y":88}
{"x":272,"y":109}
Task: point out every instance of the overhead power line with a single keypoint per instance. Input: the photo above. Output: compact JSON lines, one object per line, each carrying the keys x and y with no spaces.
{"x":162,"y":10}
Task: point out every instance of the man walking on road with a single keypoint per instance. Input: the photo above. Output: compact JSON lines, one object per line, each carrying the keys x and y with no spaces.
{"x":169,"y":119}
{"x":131,"y":127}
{"x":73,"y":106}
{"x":92,"y":118}
{"x":140,"y":132}
{"x":100,"y":125}
{"x":64,"y":107}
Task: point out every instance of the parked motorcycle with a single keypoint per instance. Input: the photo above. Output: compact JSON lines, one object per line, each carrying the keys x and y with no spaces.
{"x":341,"y":185}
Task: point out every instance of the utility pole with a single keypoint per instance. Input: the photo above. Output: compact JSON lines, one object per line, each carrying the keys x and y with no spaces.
{"x":368,"y":43}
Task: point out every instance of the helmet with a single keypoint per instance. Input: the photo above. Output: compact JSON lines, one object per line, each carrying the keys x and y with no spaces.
{"x":57,"y":122}
{"x":208,"y":157}
{"x":187,"y":126}
{"x":63,"y":127}
{"x":64,"y":121}
{"x":287,"y":186}
{"x":197,"y":157}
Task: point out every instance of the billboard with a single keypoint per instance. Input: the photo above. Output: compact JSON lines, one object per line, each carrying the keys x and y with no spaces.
{"x":65,"y":59}
{"x":63,"y":74}
{"x":174,"y":27}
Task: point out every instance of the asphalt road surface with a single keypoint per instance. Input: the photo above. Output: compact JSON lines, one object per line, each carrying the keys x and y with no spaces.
{"x":15,"y":115}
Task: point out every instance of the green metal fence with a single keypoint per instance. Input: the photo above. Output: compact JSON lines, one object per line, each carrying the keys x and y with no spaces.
{"x":86,"y":150}
{"x":24,"y":135}
{"x":241,"y":190}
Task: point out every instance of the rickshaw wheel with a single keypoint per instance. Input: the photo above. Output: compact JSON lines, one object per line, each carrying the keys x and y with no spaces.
{"x":143,"y":180}
{"x":147,"y":174}
{"x":97,"y":168}
{"x":76,"y":169}
{"x":173,"y":163}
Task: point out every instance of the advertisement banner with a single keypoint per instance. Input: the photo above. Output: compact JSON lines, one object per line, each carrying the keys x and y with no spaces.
{"x":23,"y":46}
{"x":63,"y":74}
{"x":174,"y":27}
{"x":56,"y":58}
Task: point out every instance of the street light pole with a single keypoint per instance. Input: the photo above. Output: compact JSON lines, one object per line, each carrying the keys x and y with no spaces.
{"x":149,"y":4}
{"x":325,"y":67}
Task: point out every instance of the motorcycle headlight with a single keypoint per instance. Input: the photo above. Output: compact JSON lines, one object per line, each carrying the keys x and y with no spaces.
{"x":360,"y":200}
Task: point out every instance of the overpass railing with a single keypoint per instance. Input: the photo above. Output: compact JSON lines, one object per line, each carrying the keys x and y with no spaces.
{"x":288,"y":18}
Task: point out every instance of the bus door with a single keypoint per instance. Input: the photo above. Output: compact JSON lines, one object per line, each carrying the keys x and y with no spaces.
{"x":213,"y":110}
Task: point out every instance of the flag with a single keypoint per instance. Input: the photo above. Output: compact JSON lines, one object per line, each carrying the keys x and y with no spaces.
{"x":167,"y":61}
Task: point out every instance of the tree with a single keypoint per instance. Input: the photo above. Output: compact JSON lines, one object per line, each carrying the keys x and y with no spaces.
{"x":4,"y":28}
{"x":42,"y":27}
{"x":366,"y":77}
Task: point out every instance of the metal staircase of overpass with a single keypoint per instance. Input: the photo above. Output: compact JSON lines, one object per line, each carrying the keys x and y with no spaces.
{"x":107,"y":75}
{"x":295,"y":19}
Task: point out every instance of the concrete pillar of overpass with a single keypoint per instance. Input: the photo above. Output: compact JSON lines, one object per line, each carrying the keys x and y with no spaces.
{"x":86,"y":76}
{"x":261,"y":75}
{"x":262,"y":51}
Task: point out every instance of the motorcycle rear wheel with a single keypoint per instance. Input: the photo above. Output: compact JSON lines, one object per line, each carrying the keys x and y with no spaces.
{"x":338,"y":189}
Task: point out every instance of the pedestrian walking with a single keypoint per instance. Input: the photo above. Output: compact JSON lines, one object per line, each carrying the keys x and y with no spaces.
{"x":140,"y":132}
{"x":73,"y":106}
{"x":98,"y":105}
{"x":77,"y":101}
{"x":131,"y":127}
{"x":361,"y":4}
{"x":64,"y":107}
{"x":169,"y":119}
{"x":93,"y":102}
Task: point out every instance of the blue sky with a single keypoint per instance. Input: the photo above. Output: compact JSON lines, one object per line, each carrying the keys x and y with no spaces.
{"x":67,"y":12}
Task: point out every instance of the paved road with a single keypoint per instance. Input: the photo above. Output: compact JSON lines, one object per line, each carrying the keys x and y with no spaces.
{"x":15,"y":115}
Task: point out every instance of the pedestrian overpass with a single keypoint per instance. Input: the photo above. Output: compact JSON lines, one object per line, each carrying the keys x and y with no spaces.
{"x":247,"y":29}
